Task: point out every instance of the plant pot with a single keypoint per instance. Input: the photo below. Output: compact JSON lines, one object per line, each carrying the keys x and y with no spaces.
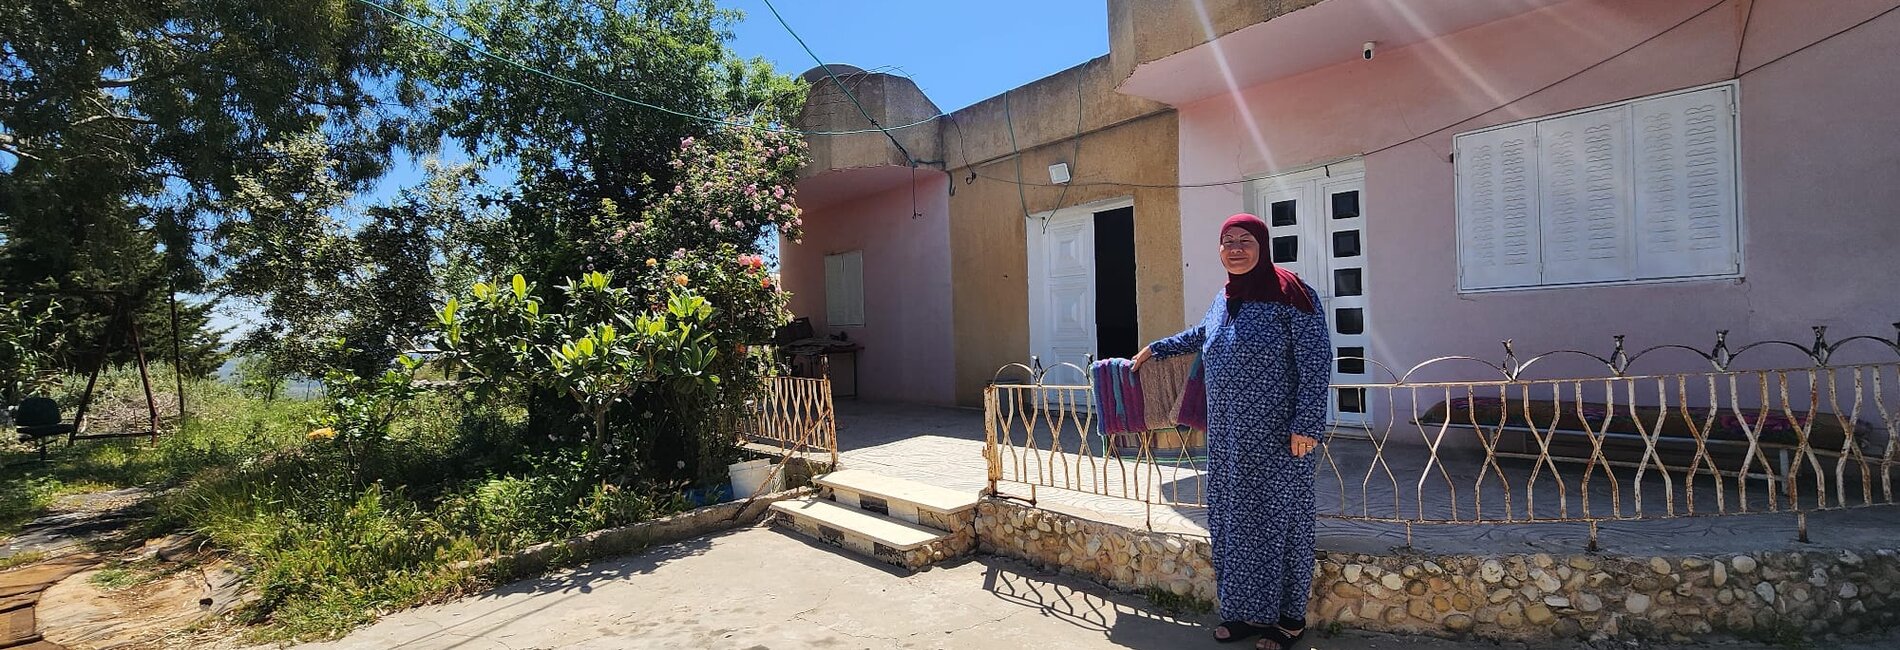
{"x":749,"y":475}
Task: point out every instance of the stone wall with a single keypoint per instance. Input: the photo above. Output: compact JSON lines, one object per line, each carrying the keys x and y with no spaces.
{"x":1120,"y":557}
{"x":1779,"y":595}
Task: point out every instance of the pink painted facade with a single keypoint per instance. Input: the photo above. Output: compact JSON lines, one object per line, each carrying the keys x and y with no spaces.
{"x":908,"y":354}
{"x":1819,"y":160}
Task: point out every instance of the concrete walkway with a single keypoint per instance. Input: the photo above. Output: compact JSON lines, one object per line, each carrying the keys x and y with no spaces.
{"x":944,"y":447}
{"x":760,"y":588}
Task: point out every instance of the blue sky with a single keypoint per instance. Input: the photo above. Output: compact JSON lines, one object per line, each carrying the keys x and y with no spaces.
{"x":959,"y":53}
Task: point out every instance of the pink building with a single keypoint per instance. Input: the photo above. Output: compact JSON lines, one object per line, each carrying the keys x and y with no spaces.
{"x":1448,"y":175}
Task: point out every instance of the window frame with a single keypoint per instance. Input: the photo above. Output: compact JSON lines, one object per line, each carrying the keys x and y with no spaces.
{"x":1738,"y":185}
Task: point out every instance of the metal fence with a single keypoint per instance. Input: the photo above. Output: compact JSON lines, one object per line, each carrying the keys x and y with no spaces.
{"x":1438,"y":445}
{"x":794,"y":414}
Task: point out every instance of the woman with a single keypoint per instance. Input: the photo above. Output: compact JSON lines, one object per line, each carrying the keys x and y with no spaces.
{"x":1267,"y":359}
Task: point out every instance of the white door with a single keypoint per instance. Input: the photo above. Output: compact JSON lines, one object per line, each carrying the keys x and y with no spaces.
{"x":1317,"y":228}
{"x":1062,"y":294}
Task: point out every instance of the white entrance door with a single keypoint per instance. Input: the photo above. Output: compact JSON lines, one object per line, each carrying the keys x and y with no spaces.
{"x":1062,"y":289}
{"x":1062,"y":294}
{"x":1317,"y":227}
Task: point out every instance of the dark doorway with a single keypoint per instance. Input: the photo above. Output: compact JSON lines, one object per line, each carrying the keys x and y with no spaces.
{"x":1117,"y":334}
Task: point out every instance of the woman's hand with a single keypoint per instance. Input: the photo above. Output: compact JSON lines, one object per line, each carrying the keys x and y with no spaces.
{"x":1140,"y":358}
{"x":1303,"y":445}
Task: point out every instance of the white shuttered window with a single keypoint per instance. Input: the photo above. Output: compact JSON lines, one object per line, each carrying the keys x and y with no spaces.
{"x":844,"y":289}
{"x":1637,"y":191}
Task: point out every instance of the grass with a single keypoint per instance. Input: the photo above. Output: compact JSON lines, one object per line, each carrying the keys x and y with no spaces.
{"x":333,"y":533}
{"x":1177,"y":605}
{"x":224,"y":428}
{"x":20,"y":559}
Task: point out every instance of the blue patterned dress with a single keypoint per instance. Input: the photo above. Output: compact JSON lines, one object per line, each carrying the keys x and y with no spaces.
{"x":1267,"y":372}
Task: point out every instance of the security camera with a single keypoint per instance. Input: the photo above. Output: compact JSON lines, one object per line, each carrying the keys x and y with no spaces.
{"x":1366,"y":50}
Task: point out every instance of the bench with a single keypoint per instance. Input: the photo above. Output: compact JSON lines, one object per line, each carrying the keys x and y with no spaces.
{"x":1723,"y":435}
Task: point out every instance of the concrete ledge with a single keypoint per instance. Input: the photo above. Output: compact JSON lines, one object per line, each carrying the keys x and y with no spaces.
{"x":627,"y":539}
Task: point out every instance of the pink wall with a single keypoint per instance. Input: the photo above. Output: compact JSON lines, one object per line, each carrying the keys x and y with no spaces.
{"x":908,"y":354}
{"x":1820,"y":168}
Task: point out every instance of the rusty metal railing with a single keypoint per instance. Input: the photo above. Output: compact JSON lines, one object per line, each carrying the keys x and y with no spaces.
{"x":794,"y":414}
{"x":1437,"y":445}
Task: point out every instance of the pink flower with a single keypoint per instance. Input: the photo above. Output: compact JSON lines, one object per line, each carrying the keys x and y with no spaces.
{"x":686,"y":143}
{"x":782,"y":150}
{"x":716,"y":226}
{"x":740,"y":224}
{"x":778,"y":191}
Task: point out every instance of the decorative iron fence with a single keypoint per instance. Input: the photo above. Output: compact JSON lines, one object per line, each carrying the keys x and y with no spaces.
{"x":1503,"y":448}
{"x":794,"y":414}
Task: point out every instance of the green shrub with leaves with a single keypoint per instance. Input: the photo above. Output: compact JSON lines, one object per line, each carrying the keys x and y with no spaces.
{"x":29,"y":332}
{"x":602,"y":348}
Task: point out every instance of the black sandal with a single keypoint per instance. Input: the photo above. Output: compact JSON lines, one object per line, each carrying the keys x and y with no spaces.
{"x":1240,"y":631}
{"x":1282,"y":638}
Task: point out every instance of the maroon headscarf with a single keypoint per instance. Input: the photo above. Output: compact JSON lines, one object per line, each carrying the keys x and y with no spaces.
{"x":1266,"y":282}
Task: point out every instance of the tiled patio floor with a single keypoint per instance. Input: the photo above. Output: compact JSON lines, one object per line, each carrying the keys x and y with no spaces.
{"x":943,"y":446}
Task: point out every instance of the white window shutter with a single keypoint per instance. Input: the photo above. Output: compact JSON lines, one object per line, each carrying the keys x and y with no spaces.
{"x":854,"y":287}
{"x":844,"y":289}
{"x":1584,"y":160}
{"x":1686,"y":204}
{"x":1498,"y":239}
{"x":834,"y":289}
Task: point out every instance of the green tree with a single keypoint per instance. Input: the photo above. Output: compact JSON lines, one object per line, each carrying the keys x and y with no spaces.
{"x":319,"y":271}
{"x":123,"y":124}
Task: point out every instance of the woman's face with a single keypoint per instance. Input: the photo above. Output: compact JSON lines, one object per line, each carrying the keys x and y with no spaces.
{"x":1239,"y":251}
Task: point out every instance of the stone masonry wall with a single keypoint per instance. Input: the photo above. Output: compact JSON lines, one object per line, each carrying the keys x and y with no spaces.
{"x":1777,"y":595}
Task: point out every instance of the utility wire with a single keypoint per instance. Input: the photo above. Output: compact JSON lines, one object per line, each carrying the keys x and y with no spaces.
{"x":1483,"y":113}
{"x":847,"y":92}
{"x":485,"y":53}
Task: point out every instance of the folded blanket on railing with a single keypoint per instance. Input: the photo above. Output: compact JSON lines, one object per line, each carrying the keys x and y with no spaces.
{"x":1162,"y":382}
{"x":1166,"y":393}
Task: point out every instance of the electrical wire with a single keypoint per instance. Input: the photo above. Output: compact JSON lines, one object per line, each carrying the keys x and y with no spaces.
{"x":1742,"y":39}
{"x":1480,"y":114}
{"x":1830,"y":37}
{"x":847,"y":92}
{"x":485,"y":53}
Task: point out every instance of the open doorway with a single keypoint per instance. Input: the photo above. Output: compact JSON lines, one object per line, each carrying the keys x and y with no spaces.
{"x":1117,"y":329}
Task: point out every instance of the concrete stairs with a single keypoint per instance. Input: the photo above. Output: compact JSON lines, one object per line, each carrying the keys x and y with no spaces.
{"x":892,"y":520}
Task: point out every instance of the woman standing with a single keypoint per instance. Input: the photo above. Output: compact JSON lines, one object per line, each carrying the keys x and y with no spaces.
{"x":1267,"y":359}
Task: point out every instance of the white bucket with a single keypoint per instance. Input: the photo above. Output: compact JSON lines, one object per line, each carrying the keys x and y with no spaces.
{"x":749,"y":475}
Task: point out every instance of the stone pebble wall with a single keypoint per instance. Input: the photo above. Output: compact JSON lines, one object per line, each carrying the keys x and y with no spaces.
{"x":1809,"y":594}
{"x":961,"y":542}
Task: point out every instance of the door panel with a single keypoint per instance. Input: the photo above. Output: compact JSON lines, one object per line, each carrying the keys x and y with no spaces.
{"x":1062,"y":294}
{"x":1318,"y":230}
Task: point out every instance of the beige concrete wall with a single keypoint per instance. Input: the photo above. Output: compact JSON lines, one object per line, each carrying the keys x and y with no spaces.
{"x":989,"y":230}
{"x":892,"y":100}
{"x":1140,"y":31}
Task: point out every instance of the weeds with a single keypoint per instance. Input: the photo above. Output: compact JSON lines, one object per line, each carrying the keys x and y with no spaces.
{"x":1177,"y":605}
{"x":20,"y":559}
{"x":332,"y":537}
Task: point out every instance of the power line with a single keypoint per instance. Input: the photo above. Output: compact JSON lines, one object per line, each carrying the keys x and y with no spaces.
{"x":484,"y":52}
{"x":1417,"y":138}
{"x":834,"y":81}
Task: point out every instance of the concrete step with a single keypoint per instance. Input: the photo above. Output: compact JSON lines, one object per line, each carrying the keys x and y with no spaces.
{"x":876,"y":536}
{"x":917,"y":503}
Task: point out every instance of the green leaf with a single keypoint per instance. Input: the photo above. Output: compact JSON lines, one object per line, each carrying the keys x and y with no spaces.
{"x":520,"y":285}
